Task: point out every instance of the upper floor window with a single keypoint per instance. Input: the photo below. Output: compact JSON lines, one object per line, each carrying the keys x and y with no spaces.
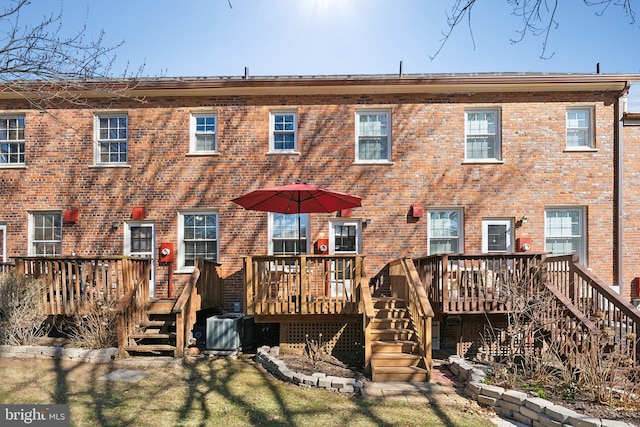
{"x":288,"y":235}
{"x":204,"y":133}
{"x":198,"y":235}
{"x":445,"y":231}
{"x":284,"y":131}
{"x":579,"y":128}
{"x":111,"y":139}
{"x":564,"y":232}
{"x":482,"y":135}
{"x":373,"y":136}
{"x":45,"y":234}
{"x":12,"y":146}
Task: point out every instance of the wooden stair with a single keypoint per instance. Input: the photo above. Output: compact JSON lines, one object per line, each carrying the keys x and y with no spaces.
{"x":157,"y":334}
{"x":395,"y":353}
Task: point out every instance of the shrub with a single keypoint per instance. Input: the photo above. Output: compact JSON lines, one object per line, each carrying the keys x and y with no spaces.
{"x":22,"y":321}
{"x":95,"y":327}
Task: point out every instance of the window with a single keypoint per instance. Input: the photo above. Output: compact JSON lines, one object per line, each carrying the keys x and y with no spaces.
{"x":497,"y":235}
{"x":445,"y":231}
{"x":579,"y":128}
{"x":288,"y":237}
{"x":284,"y":131}
{"x":345,"y":237}
{"x":482,"y":135}
{"x":564,"y":232}
{"x":45,"y":234}
{"x":373,"y":136}
{"x":198,"y":234}
{"x":12,"y":140}
{"x":204,"y":133}
{"x":111,"y":139}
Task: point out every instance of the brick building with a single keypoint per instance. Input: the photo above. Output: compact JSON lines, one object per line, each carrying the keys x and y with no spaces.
{"x":444,"y":163}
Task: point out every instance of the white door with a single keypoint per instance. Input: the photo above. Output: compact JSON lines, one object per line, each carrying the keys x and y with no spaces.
{"x":140,"y":241}
{"x":497,"y":235}
{"x":344,"y":238}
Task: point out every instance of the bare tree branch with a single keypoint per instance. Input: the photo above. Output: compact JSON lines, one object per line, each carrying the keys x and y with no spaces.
{"x":47,"y":67}
{"x":538,"y":18}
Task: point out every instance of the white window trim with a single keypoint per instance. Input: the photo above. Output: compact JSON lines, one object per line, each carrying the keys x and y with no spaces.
{"x":304,"y":219}
{"x":3,"y":242}
{"x":31,"y":230}
{"x":384,"y":111}
{"x":485,"y":233}
{"x":180,"y":267}
{"x":127,"y":248}
{"x":590,"y":128}
{"x":272,"y":149}
{"x":192,"y":132}
{"x":583,"y":228}
{"x":460,"y":222}
{"x":332,"y":236}
{"x":96,"y":139}
{"x":13,"y":141}
{"x":498,"y":147}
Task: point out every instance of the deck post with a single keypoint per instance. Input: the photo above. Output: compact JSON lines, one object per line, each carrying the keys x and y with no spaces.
{"x":249,"y":295}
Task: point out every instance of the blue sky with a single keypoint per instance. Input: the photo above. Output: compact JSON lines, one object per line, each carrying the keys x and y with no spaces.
{"x":317,"y":37}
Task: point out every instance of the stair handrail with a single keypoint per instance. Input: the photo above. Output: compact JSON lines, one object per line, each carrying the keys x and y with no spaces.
{"x":185,"y":311}
{"x":365,"y":305}
{"x":592,"y":297}
{"x":419,"y":306}
{"x":130,"y":309}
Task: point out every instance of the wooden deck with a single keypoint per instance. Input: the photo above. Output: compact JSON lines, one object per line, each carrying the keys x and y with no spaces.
{"x":474,"y":284}
{"x":287,"y":286}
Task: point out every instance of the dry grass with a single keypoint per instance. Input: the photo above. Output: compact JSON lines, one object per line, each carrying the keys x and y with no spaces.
{"x":220,"y":392}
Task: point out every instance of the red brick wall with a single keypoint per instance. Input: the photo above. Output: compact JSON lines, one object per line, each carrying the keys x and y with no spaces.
{"x":427,"y":169}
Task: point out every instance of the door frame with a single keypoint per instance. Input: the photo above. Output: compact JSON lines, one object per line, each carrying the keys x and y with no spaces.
{"x":152,"y":254}
{"x":509,"y":222}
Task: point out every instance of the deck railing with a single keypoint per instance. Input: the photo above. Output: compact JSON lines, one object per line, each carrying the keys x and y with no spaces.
{"x":406,"y":284}
{"x":303,"y":284}
{"x":476,"y":283}
{"x":74,"y":284}
{"x":365,"y":306}
{"x":131,"y":309}
{"x":6,"y":268}
{"x":204,"y":290}
{"x":600,"y":309}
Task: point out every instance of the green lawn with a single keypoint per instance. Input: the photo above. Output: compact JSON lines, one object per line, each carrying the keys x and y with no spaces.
{"x":224,"y":392}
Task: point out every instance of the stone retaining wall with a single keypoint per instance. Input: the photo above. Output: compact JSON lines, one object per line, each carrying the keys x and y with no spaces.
{"x":519,"y":406}
{"x":106,"y":355}
{"x":267,"y":357}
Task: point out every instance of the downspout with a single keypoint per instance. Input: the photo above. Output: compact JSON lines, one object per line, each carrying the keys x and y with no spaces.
{"x":619,"y":185}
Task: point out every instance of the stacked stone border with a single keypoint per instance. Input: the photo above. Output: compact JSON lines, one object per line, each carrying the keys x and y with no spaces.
{"x":267,"y":357}
{"x":106,"y":355}
{"x":519,"y":406}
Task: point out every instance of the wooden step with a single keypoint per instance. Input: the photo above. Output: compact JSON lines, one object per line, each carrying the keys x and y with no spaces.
{"x":153,"y":336}
{"x":392,"y":313}
{"x":160,"y":306}
{"x":390,"y":323}
{"x":397,"y":359}
{"x":153,"y":323}
{"x":388,"y":302}
{"x":399,"y":373}
{"x":399,"y":346}
{"x":391,"y":334}
{"x":150,"y":348}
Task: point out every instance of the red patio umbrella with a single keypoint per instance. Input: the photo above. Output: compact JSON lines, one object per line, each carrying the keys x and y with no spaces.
{"x":297,"y":198}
